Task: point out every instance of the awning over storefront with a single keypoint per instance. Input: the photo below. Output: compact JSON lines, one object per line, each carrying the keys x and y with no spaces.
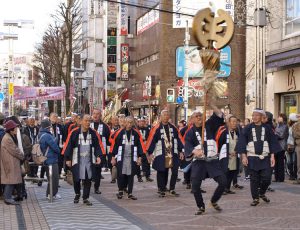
{"x":279,"y":61}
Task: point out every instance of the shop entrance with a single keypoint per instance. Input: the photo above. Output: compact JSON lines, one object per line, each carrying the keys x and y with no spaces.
{"x":289,"y":104}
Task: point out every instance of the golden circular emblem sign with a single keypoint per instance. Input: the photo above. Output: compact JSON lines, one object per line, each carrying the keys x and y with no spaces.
{"x":213,"y":32}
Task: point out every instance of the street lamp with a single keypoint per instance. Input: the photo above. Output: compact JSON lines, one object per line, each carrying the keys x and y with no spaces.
{"x":18,"y":23}
{"x":11,"y":37}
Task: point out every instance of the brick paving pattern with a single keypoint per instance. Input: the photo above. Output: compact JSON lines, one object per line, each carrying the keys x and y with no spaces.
{"x":150,"y":212}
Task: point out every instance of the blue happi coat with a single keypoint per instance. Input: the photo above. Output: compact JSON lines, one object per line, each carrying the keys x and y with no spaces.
{"x":156,"y":145}
{"x":259,"y":145}
{"x":118,"y":148}
{"x":71,"y":150}
{"x":209,"y":168}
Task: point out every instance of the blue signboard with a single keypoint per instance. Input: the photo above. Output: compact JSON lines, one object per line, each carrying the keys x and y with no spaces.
{"x":194,"y":64}
{"x":1,"y":96}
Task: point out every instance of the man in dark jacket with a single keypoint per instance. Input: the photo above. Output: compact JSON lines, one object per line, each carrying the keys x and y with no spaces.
{"x":82,"y":152}
{"x":31,"y":130}
{"x":51,"y":150}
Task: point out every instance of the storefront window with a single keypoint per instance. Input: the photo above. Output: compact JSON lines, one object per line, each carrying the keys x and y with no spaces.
{"x":289,"y":104}
{"x":292,"y":21}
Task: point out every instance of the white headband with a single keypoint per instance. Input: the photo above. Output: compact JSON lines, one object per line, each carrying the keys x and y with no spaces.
{"x":259,"y":111}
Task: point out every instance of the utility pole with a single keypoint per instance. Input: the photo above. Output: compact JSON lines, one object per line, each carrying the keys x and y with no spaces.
{"x":186,"y":72}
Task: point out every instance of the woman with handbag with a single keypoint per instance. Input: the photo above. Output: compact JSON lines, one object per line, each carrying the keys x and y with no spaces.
{"x":11,"y":157}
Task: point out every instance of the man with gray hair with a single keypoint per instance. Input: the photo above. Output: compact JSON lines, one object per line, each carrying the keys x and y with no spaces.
{"x":127,"y":150}
{"x":165,"y":150}
{"x":82,"y":152}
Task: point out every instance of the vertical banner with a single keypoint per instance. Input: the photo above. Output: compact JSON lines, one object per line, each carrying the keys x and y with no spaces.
{"x":112,"y":23}
{"x":124,"y":19}
{"x":124,"y":62}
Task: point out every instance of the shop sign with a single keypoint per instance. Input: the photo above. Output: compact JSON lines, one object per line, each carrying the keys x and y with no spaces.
{"x":124,"y":62}
{"x":191,"y":7}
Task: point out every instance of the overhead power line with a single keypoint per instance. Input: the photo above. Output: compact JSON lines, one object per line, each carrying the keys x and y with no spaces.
{"x":163,"y":10}
{"x":149,"y":8}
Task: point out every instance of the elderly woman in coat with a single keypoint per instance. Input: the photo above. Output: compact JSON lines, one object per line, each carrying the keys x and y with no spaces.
{"x":11,"y":157}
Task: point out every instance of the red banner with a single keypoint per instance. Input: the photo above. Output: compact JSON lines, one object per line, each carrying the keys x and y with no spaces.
{"x":38,"y":93}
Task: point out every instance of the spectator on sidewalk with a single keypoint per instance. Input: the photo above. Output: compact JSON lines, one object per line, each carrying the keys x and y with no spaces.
{"x":51,"y":150}
{"x":291,"y":145}
{"x":24,"y":144}
{"x":11,"y":157}
{"x":2,"y":133}
{"x":282,"y":133}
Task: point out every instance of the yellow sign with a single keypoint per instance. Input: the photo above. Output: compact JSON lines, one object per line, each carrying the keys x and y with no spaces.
{"x":11,"y":89}
{"x":293,"y":109}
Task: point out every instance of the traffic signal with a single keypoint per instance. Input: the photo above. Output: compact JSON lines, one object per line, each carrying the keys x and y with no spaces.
{"x":170,"y":95}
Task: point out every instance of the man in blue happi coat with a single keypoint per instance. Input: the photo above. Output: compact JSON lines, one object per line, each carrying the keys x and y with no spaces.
{"x":205,"y":161}
{"x":257,"y":144}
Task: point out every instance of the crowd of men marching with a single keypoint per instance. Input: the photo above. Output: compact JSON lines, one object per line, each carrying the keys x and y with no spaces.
{"x":129,"y":147}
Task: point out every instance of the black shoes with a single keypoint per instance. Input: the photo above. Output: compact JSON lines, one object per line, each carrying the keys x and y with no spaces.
{"x":97,"y":191}
{"x":10,"y":202}
{"x":87,"y":202}
{"x":18,"y":198}
{"x":113,"y":181}
{"x":40,"y":183}
{"x":140,"y":179}
{"x":255,"y":202}
{"x":202,"y":191}
{"x":188,"y":186}
{"x":178,"y":180}
{"x":148,"y":179}
{"x":162,"y":194}
{"x":184,"y":182}
{"x":120,"y":195}
{"x":200,"y":211}
{"x":227,"y":191}
{"x":131,"y":197}
{"x":173,"y":193}
{"x":216,"y":206}
{"x":270,"y":189}
{"x":264,"y":198}
{"x":238,"y":186}
{"x":76,"y":199}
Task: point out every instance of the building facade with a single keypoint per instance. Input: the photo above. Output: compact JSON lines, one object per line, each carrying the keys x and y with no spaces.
{"x":155,"y":53}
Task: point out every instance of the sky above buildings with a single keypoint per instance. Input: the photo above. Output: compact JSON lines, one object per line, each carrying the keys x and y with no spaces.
{"x":37,"y":10}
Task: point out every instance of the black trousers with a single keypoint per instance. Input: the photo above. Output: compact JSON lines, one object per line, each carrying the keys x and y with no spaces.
{"x":230,"y":174}
{"x":60,"y":163}
{"x":43,"y":171}
{"x":125,"y":181}
{"x":146,"y":166}
{"x":55,"y":179}
{"x":138,"y":171}
{"x":33,"y":170}
{"x":162,"y":179}
{"x":87,"y":183}
{"x":196,"y":184}
{"x":292,"y":163}
{"x":97,"y":179}
{"x":187,"y":176}
{"x":279,"y":166}
{"x":259,"y":181}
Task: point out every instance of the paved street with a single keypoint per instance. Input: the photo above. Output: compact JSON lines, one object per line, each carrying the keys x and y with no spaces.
{"x":151,"y":212}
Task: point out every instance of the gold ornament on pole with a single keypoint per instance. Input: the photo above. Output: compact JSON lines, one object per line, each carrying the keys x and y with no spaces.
{"x":212,"y":33}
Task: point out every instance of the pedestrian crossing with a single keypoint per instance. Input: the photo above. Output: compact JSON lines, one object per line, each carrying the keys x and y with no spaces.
{"x":64,"y":214}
